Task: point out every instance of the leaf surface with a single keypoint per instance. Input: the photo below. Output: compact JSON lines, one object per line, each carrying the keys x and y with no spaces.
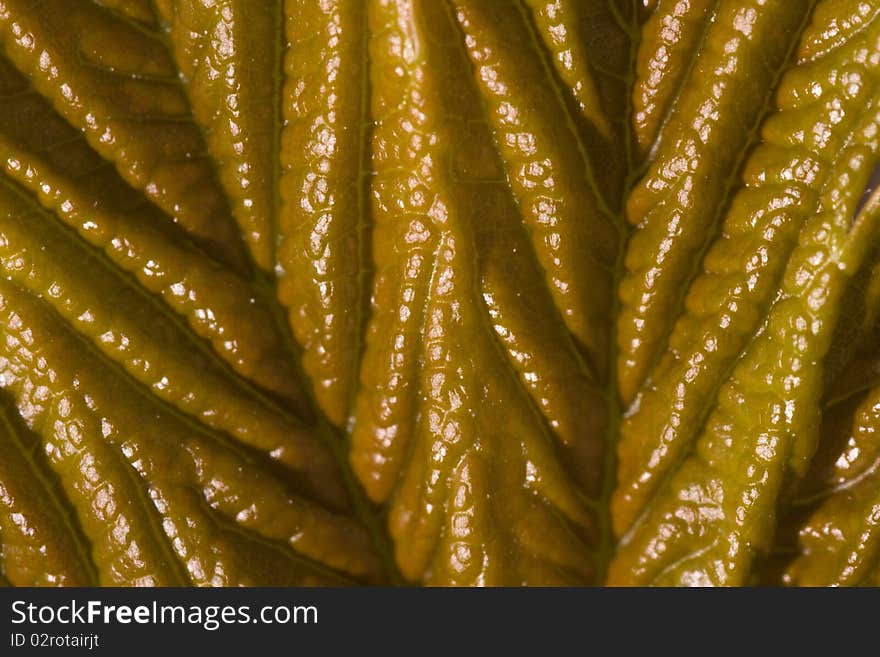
{"x":439,"y":292}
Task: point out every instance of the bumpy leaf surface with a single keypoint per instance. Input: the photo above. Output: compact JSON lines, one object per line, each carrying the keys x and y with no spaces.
{"x":441,"y":292}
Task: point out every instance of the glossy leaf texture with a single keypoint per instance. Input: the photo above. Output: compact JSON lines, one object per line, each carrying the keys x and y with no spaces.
{"x":439,"y":292}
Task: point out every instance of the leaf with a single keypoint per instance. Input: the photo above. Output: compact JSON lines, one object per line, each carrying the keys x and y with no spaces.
{"x":152,"y":325}
{"x":215,"y":45}
{"x":548,"y":170}
{"x":42,"y":540}
{"x":324,"y":218}
{"x":785,"y":181}
{"x":162,"y":501}
{"x":841,"y":541}
{"x":711,"y":512}
{"x":53,"y":162}
{"x":431,"y":356}
{"x":677,"y":204}
{"x":439,"y":292}
{"x":674,"y":33}
{"x":115,"y":82}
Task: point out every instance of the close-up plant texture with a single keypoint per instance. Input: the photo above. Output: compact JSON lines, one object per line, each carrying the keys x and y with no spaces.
{"x":441,"y":292}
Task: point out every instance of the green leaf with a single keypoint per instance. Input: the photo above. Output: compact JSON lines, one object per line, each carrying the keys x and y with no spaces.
{"x":324,"y":219}
{"x":439,"y":292}
{"x":216,"y":46}
{"x":785,"y":181}
{"x":418,"y":440}
{"x":115,"y":81}
{"x":43,"y":544}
